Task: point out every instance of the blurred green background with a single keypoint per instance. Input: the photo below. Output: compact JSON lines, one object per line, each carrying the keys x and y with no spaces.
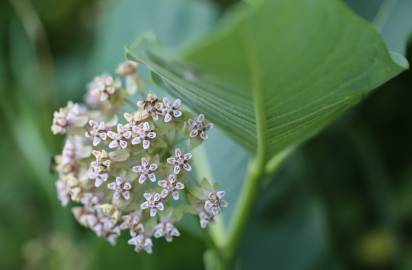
{"x":342,"y":201}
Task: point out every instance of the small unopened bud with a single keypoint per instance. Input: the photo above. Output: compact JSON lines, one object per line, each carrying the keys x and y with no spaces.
{"x":127,"y":68}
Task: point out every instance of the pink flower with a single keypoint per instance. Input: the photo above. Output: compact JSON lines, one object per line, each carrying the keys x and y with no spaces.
{"x":180,"y":161}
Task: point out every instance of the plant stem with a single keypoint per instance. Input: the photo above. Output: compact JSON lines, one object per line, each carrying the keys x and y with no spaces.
{"x":256,"y":170}
{"x":243,"y":210}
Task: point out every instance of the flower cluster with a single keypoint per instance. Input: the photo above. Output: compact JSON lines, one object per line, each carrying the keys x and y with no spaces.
{"x":133,"y":171}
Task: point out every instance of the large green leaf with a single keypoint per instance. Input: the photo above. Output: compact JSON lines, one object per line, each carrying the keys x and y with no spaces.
{"x":304,"y":62}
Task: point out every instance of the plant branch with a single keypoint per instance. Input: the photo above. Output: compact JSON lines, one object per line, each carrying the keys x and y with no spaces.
{"x":256,"y":170}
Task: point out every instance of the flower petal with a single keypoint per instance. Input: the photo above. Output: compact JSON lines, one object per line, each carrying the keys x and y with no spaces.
{"x":168,"y":118}
{"x":177,"y":103}
{"x":187,"y":167}
{"x":152,"y":177}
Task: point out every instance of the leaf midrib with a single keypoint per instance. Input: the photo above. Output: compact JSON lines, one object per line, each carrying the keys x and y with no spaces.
{"x":252,"y":60}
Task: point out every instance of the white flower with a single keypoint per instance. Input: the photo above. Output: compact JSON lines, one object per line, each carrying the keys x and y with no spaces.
{"x":127,"y":68}
{"x":146,"y":210}
{"x":141,"y":242}
{"x":143,"y":134}
{"x":215,"y":202}
{"x":198,"y":128}
{"x":166,"y":230}
{"x":75,"y":148}
{"x":133,"y":120}
{"x":153,"y":202}
{"x":99,"y":169}
{"x":68,"y":189}
{"x":146,"y":171}
{"x":104,"y":87}
{"x":73,"y":115}
{"x":180,"y":161}
{"x":171,"y":110}
{"x":171,"y":185}
{"x":97,"y":132}
{"x":151,"y":106}
{"x":119,"y":138}
{"x":104,"y":226}
{"x":68,"y":162}
{"x":205,"y":219}
{"x":100,"y":223}
{"x":133,"y":222}
{"x":90,"y":200}
{"x":121,"y":188}
{"x":63,"y":192}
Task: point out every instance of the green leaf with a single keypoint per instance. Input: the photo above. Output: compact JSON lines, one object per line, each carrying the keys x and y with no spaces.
{"x":307,"y":61}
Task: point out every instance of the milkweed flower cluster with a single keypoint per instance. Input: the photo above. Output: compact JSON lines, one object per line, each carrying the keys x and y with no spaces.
{"x":132,"y":171}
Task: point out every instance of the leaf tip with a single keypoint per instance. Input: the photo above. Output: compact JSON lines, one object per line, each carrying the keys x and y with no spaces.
{"x":144,"y":38}
{"x":400,"y":60}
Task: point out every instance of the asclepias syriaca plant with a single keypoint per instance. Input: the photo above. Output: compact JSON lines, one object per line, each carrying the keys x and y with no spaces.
{"x":272,"y":75}
{"x":132,"y":172}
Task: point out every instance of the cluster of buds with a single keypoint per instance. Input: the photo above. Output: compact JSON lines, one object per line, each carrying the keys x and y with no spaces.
{"x":133,"y":171}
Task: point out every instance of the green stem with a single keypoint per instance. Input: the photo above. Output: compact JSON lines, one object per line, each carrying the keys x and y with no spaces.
{"x":256,"y":170}
{"x":243,"y":210}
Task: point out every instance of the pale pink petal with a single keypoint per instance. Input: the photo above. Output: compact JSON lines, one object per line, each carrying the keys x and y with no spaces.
{"x":200,"y":118}
{"x":153,"y":212}
{"x":187,"y":156}
{"x":162,"y":183}
{"x":193,"y":133}
{"x":164,"y":193}
{"x":126,"y":195}
{"x":142,"y":178}
{"x":180,"y":185}
{"x":111,"y":186}
{"x":177,"y":113}
{"x":152,"y":177}
{"x":123,"y":144}
{"x":127,"y":186}
{"x":153,"y":167}
{"x":168,"y":118}
{"x":160,"y":206}
{"x":136,"y":140}
{"x":113,"y":144}
{"x":146,"y":144}
{"x":137,"y":168}
{"x":175,"y":195}
{"x":144,"y":205}
{"x":187,"y":167}
{"x":177,"y":103}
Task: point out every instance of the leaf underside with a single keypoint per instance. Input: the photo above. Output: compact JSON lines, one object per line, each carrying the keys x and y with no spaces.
{"x":311,"y":60}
